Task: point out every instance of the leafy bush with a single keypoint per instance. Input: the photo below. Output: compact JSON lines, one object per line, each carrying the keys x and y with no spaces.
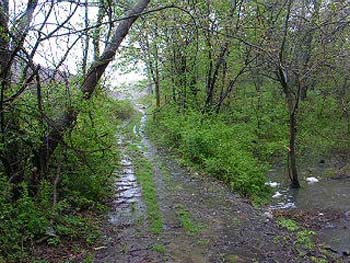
{"x":222,"y":150}
{"x":82,"y":168}
{"x":124,"y":109}
{"x":317,"y":136}
{"x":21,"y":222}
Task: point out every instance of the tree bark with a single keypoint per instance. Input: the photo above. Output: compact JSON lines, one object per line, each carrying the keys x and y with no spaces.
{"x":157,"y":82}
{"x":292,"y":167}
{"x":4,"y":38}
{"x":293,"y":105}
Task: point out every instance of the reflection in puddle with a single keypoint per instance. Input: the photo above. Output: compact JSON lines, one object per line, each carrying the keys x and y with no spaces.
{"x":127,"y":205}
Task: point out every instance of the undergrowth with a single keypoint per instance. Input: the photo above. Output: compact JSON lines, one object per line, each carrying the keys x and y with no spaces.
{"x":222,"y":150}
{"x":68,"y":200}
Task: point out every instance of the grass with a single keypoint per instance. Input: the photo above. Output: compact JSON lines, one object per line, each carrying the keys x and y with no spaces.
{"x":129,"y":124}
{"x":144,"y":174}
{"x":165,"y":172}
{"x":289,"y":224}
{"x":188,"y":223}
{"x":304,"y":238}
{"x":205,"y":144}
{"x":160,"y":248}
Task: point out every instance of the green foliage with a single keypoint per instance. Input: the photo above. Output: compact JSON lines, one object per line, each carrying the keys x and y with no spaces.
{"x":91,"y":156}
{"x":318,"y":260}
{"x":160,"y":248}
{"x":317,"y":136}
{"x":289,"y":224}
{"x":82,"y":168}
{"x":187,"y":221}
{"x":210,"y":143}
{"x":20,"y":222}
{"x":305,"y":238}
{"x":125,"y":109}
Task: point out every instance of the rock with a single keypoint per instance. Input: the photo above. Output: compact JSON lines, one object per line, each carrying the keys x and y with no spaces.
{"x":268,"y":214}
{"x":99,"y":248}
{"x":125,"y":162}
{"x":330,"y":226}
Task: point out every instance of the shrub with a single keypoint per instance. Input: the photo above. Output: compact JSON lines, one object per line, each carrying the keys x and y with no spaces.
{"x":83,"y":167}
{"x":222,"y":150}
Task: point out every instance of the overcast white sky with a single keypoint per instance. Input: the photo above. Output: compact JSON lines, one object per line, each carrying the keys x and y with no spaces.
{"x":52,"y":50}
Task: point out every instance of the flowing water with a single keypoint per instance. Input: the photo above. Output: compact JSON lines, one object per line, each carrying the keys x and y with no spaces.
{"x":327,"y":193}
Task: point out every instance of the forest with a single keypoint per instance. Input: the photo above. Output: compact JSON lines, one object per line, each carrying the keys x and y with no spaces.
{"x":174,"y":131}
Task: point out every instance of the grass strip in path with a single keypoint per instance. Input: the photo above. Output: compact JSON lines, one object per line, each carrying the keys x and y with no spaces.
{"x":144,"y":174}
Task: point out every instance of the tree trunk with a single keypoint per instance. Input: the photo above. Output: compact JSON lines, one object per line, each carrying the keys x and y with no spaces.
{"x":292,"y":166}
{"x":157,"y":82}
{"x":292,"y":100}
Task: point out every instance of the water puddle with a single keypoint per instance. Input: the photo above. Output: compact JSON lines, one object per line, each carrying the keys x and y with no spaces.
{"x":127,"y":204}
{"x":321,"y":193}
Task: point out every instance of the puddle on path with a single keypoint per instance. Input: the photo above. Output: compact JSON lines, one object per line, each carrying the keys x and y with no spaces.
{"x":326,"y":196}
{"x":126,"y":238}
{"x":127,"y":204}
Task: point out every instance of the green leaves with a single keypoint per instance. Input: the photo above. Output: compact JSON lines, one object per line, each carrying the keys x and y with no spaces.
{"x":222,"y":150}
{"x":81,"y":168}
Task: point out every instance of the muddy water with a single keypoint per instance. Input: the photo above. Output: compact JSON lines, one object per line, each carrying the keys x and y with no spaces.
{"x":127,"y":204}
{"x":328,"y":195}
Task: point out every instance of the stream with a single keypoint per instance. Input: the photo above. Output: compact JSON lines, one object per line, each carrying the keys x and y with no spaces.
{"x":324,"y":196}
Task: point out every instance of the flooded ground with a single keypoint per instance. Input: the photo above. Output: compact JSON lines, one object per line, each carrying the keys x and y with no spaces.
{"x":126,"y":238}
{"x":323,"y":200}
{"x":128,"y":205}
{"x":203,"y":220}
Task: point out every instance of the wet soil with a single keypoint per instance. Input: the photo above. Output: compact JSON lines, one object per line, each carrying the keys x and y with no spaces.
{"x":230,"y":228}
{"x":126,"y":237}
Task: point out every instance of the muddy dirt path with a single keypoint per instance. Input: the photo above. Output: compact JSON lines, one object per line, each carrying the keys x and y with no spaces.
{"x":203,"y":220}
